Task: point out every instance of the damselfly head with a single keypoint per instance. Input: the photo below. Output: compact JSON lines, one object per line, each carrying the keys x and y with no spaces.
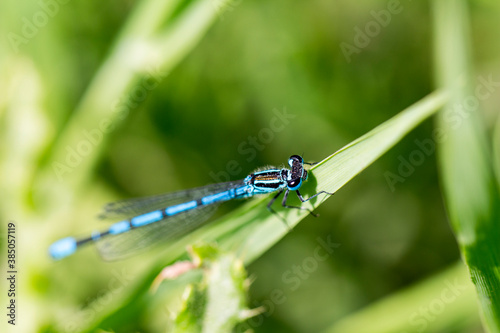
{"x":297,"y":173}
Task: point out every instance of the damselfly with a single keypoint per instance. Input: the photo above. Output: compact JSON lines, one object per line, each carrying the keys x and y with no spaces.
{"x":170,"y":216}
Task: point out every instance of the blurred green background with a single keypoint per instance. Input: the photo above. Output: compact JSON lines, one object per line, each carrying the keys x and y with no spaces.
{"x":267,"y":80}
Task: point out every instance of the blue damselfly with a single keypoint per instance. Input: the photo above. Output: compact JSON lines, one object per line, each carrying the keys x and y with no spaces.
{"x":169,"y":216}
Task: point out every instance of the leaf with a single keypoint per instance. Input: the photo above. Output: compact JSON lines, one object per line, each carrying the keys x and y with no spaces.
{"x":218,"y":303}
{"x":251,"y":229}
{"x":469,"y":185}
{"x":330,"y":175}
{"x":496,"y":150}
{"x":151,"y":43}
{"x":436,"y":304}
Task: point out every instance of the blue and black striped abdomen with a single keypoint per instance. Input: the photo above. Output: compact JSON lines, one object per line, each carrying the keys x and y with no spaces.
{"x":150,"y":220}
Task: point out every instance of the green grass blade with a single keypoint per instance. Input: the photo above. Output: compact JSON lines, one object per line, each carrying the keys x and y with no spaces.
{"x":251,"y":230}
{"x":496,"y":151}
{"x":469,"y":185}
{"x":331,"y":174}
{"x":142,"y":50}
{"x":437,"y":304}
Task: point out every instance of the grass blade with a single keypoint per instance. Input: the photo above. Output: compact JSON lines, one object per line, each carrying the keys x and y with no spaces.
{"x":441,"y":302}
{"x":148,"y":48}
{"x":334,"y":172}
{"x":251,"y":230}
{"x":470,"y":188}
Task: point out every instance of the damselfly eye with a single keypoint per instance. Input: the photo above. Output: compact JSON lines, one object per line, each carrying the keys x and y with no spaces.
{"x":294,"y":184}
{"x":297,"y":158}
